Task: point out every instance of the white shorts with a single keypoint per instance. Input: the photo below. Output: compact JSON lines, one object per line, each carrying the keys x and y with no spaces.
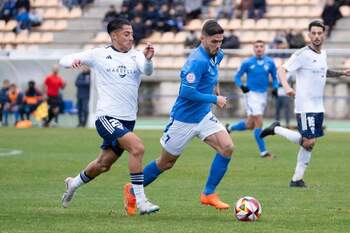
{"x":177,"y":134}
{"x":255,"y":103}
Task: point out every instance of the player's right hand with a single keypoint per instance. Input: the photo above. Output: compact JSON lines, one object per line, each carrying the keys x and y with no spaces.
{"x":290,"y":92}
{"x":244,"y":89}
{"x":221,"y":101}
{"x":76,"y":64}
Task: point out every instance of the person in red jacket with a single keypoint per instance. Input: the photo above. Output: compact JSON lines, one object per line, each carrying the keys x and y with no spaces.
{"x":52,"y":86}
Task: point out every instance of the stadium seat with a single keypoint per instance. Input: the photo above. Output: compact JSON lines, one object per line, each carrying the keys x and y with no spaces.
{"x":63,"y":13}
{"x":1,"y":37}
{"x":223,"y":22}
{"x":22,"y":37}
{"x":32,"y":47}
{"x":2,"y":25}
{"x":262,"y":24}
{"x":34,"y":38}
{"x":345,"y":10}
{"x":10,"y":25}
{"x":69,"y":107}
{"x":276,"y":24}
{"x":248,"y":36}
{"x":60,"y":25}
{"x":47,"y":25}
{"x":180,"y":37}
{"x":274,"y":11}
{"x":52,"y":3}
{"x":289,"y":23}
{"x":195,"y":24}
{"x":234,"y":24}
{"x":50,"y":13}
{"x":167,"y":37}
{"x":178,"y":50}
{"x":9,"y":38}
{"x":248,"y":24}
{"x":75,"y":13}
{"x":289,"y":11}
{"x":156,"y":37}
{"x":234,"y":62}
{"x":101,"y":37}
{"x":46,"y":37}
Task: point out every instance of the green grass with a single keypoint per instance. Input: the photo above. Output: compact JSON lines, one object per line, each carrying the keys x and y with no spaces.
{"x":31,"y":185}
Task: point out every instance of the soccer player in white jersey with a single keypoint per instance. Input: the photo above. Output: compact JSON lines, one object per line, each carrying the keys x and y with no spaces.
{"x":191,"y":117}
{"x":310,"y":67}
{"x":118,"y":68}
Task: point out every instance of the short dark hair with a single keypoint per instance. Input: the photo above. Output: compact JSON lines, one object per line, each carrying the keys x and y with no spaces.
{"x":211,"y":27}
{"x":259,"y":41}
{"x":317,"y":23}
{"x":117,"y":24}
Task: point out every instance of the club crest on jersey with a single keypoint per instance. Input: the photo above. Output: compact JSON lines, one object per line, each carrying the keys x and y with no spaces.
{"x":190,"y":77}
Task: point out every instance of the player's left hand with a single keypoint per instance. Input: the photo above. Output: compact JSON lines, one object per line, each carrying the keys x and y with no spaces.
{"x":274,"y":92}
{"x":148,"y":51}
{"x":347,"y":72}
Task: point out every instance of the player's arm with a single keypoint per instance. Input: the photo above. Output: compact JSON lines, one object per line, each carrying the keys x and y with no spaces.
{"x":77,"y":60}
{"x":275,"y":82}
{"x":238,"y":76}
{"x":148,"y":64}
{"x":282,"y":75}
{"x":217,"y":89}
{"x":337,"y":74}
{"x":189,"y":81}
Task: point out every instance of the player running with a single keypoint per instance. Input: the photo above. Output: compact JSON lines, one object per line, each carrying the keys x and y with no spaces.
{"x":310,"y":67}
{"x":118,"y":68}
{"x":191,"y":117}
{"x":258,"y":69}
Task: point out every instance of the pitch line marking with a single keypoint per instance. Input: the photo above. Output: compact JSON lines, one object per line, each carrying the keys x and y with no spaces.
{"x":9,"y":152}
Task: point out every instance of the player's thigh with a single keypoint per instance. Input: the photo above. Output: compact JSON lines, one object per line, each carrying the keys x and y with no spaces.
{"x":132,"y":143}
{"x":176,"y":136}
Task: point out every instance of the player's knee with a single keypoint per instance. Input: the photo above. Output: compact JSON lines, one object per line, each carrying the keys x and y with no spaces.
{"x":138,"y":150}
{"x":308,"y":144}
{"x":227,"y":149}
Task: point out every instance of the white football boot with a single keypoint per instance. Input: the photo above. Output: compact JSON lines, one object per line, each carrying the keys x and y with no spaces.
{"x":69,"y":193}
{"x":146,"y":207}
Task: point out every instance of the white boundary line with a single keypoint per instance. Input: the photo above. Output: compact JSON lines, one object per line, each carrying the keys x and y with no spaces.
{"x":9,"y":152}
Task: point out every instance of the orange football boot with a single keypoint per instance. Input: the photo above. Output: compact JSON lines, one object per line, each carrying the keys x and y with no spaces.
{"x":129,"y":200}
{"x":213,"y":200}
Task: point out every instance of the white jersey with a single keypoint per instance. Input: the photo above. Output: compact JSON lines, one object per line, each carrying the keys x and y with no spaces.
{"x":310,"y":69}
{"x":117,"y":79}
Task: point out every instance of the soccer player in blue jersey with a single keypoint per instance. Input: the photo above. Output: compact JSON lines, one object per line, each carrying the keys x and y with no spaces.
{"x":191,"y":117}
{"x":258,"y":69}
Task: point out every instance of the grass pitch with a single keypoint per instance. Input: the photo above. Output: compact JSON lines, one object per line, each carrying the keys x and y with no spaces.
{"x":31,"y":185}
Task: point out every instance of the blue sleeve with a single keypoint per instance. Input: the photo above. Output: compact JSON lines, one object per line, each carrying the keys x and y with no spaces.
{"x":273,"y":72}
{"x":239,"y":74}
{"x":191,"y":74}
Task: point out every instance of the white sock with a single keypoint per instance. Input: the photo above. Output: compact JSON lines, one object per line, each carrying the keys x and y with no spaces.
{"x":288,"y":134}
{"x":139,"y":193}
{"x":77,"y":182}
{"x":304,"y":157}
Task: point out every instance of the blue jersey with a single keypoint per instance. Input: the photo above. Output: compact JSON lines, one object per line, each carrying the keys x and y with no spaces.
{"x":199,"y":76}
{"x":257,"y":70}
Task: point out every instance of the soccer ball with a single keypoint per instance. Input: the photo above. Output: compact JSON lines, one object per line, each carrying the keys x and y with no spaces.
{"x":247,"y":209}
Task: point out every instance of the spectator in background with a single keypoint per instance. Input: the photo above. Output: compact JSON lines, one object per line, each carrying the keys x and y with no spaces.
{"x":138,"y":29}
{"x":295,"y":39}
{"x":283,"y":103}
{"x":23,"y":21}
{"x":3,"y":96}
{"x":124,"y":12}
{"x":35,"y":19}
{"x":83,"y":95}
{"x":23,"y":4}
{"x":110,"y":15}
{"x":32,"y":98}
{"x":52,"y":86}
{"x":330,"y":15}
{"x":279,"y":42}
{"x":151,"y":17}
{"x":8,"y":10}
{"x":193,"y":9}
{"x":257,"y":10}
{"x":165,"y":22}
{"x":191,"y":40}
{"x":13,"y":104}
{"x":231,"y":41}
{"x":242,"y":8}
{"x":226,"y":10}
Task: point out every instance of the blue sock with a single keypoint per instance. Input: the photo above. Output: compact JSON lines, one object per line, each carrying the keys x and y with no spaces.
{"x":240,"y":126}
{"x":217,"y":171}
{"x":150,"y":172}
{"x":259,"y":141}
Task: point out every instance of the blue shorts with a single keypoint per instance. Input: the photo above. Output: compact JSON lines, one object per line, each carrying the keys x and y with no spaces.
{"x":110,"y":129}
{"x":310,"y":124}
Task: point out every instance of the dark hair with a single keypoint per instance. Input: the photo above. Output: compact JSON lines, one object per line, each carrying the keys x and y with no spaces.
{"x":211,"y":27}
{"x":317,"y":23}
{"x":117,"y":24}
{"x":259,"y":41}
